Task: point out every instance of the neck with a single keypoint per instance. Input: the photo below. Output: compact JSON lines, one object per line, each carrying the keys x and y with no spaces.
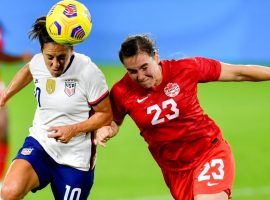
{"x":159,"y":75}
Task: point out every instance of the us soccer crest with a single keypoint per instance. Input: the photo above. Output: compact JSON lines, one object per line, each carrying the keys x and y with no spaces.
{"x":26,"y":151}
{"x":172,"y":89}
{"x":70,"y":87}
{"x":50,"y":86}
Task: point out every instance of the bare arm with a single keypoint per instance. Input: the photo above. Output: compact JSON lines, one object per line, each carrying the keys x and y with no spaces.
{"x":25,"y":57}
{"x":230,"y":72}
{"x":103,"y":116}
{"x":20,"y":80}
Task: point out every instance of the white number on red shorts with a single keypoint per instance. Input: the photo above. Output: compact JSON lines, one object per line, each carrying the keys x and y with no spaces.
{"x":218,"y":175}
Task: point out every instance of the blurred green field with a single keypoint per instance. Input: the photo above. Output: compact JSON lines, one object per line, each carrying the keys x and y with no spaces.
{"x":126,"y":171}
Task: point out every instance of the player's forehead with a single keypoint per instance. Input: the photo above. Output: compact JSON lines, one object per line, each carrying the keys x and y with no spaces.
{"x":55,"y":49}
{"x":137,"y":61}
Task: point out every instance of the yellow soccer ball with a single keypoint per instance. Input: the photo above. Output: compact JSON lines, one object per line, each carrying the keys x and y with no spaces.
{"x":69,"y":22}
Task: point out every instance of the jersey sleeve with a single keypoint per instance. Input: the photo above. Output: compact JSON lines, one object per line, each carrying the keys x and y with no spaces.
{"x":208,"y":69}
{"x":37,"y":65}
{"x":118,"y":104}
{"x":97,"y":88}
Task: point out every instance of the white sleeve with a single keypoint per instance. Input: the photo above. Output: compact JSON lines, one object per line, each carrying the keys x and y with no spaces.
{"x":96,"y":85}
{"x":37,"y":66}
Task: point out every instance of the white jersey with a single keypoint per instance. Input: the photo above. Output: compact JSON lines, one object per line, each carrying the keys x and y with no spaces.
{"x":66,"y":100}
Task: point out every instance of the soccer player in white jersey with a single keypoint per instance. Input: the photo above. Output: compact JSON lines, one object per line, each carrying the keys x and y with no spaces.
{"x":72,"y":101}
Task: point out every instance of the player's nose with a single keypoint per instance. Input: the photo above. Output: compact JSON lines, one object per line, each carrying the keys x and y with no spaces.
{"x":55,"y":63}
{"x":140,"y":75}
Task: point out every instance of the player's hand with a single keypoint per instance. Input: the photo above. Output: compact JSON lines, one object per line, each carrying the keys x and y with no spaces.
{"x":61,"y":133}
{"x":105,"y":133}
{"x":102,"y":135}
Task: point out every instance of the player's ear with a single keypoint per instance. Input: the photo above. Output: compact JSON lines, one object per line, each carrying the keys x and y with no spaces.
{"x":156,"y":57}
{"x":72,"y":49}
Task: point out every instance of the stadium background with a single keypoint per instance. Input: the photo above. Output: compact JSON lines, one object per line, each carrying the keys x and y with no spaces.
{"x":231,"y":31}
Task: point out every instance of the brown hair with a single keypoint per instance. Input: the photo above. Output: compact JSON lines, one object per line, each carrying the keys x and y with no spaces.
{"x":135,"y":44}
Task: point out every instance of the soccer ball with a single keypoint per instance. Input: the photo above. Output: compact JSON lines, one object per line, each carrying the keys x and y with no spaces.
{"x":68,"y":22}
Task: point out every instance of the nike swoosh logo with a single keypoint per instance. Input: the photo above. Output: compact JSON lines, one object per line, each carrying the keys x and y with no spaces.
{"x":141,"y":100}
{"x":211,"y":184}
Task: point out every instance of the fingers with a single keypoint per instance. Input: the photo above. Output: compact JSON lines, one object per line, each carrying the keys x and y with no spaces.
{"x":101,"y":141}
{"x":114,"y":128}
{"x":102,"y":136}
{"x":56,"y":135}
{"x":98,"y":142}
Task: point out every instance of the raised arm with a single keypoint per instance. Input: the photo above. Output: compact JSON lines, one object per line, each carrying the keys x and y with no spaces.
{"x":25,"y":57}
{"x":232,"y":72}
{"x":20,"y":80}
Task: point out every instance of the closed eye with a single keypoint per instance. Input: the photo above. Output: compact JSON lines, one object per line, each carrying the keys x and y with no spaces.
{"x":130,"y":71}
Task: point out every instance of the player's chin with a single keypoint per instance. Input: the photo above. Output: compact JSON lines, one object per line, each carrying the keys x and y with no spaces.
{"x":146,"y":86}
{"x":56,"y":73}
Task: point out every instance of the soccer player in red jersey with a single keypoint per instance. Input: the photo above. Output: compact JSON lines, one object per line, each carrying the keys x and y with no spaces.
{"x":161,"y":97}
{"x":5,"y":57}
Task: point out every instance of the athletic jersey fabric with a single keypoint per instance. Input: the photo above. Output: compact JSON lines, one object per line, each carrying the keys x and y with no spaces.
{"x":66,"y":100}
{"x":169,"y":116}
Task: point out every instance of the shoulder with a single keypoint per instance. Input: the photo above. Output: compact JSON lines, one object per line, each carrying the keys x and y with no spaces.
{"x":90,"y":74}
{"x":188,"y":63}
{"x":201,"y":69}
{"x":36,"y":63}
{"x":82,"y":58}
{"x":123,"y":85}
{"x":179,"y":66}
{"x":37,"y":57}
{"x":84,"y":63}
{"x":183,"y":63}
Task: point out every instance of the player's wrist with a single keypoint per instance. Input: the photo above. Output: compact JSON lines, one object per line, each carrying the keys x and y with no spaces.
{"x":112,"y":132}
{"x":75,"y":129}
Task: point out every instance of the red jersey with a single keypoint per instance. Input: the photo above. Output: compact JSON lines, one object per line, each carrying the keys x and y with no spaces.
{"x":169,"y":116}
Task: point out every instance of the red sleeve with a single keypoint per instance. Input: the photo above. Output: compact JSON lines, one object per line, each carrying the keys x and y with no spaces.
{"x":118,"y":104}
{"x":208,"y":69}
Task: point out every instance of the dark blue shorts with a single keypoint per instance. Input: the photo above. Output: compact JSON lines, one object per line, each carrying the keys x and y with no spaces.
{"x":66,"y":182}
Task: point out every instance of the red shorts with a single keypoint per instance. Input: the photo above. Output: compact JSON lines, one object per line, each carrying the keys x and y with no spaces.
{"x":213,"y":175}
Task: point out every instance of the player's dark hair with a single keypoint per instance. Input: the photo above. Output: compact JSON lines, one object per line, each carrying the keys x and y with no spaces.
{"x":39,"y":32}
{"x":135,"y":44}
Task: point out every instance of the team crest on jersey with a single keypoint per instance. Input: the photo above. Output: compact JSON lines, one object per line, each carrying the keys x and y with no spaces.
{"x":172,"y":89}
{"x":26,"y":151}
{"x":50,"y":86}
{"x":70,"y":86}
